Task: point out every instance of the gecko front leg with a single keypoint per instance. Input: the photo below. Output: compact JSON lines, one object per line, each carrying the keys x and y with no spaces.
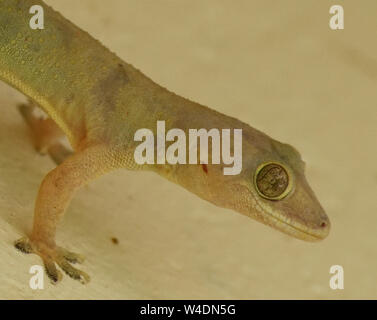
{"x":54,"y":196}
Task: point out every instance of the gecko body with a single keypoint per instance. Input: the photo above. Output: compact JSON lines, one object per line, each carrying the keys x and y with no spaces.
{"x":99,"y":101}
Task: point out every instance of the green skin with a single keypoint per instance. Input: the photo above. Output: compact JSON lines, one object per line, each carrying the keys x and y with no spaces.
{"x":99,"y":101}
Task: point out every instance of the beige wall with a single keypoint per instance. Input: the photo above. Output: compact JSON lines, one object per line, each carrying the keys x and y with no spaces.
{"x":273,"y":64}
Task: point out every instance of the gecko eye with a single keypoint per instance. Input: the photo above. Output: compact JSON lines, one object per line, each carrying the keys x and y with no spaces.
{"x":272,"y":181}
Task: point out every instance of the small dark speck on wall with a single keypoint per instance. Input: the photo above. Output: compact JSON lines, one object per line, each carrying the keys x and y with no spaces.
{"x":114,"y":240}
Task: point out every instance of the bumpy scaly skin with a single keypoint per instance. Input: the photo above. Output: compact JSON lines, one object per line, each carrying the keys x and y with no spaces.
{"x":99,"y":101}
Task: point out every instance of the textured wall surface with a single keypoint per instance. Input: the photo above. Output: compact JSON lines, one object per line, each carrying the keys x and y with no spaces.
{"x":275,"y":65}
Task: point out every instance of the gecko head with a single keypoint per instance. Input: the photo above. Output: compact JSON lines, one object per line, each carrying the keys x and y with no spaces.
{"x":272,"y":188}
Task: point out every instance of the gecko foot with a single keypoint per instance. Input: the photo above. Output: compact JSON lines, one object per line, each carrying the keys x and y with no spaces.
{"x":26,"y":110}
{"x":50,"y":257}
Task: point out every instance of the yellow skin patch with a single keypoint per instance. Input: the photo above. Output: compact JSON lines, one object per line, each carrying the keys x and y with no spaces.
{"x":99,"y":101}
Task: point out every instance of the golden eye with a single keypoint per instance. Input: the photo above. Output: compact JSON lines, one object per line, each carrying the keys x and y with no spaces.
{"x":272,"y":181}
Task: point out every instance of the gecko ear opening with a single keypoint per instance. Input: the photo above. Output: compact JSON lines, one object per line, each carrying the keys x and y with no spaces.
{"x":272,"y":181}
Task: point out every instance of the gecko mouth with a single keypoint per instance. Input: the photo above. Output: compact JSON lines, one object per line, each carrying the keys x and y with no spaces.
{"x":297,"y":230}
{"x":294,"y":228}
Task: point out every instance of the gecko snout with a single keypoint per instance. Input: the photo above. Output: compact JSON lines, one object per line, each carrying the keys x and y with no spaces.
{"x":323,"y":228}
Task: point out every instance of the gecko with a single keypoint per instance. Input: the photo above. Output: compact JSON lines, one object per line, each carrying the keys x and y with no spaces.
{"x":98,"y":101}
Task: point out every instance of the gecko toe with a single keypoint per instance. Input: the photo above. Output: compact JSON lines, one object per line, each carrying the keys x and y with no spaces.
{"x":73,"y":272}
{"x":23,"y":245}
{"x":52,"y":272}
{"x":71,"y":256}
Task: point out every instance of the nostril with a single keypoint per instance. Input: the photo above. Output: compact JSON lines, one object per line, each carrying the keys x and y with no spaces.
{"x":323,"y":224}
